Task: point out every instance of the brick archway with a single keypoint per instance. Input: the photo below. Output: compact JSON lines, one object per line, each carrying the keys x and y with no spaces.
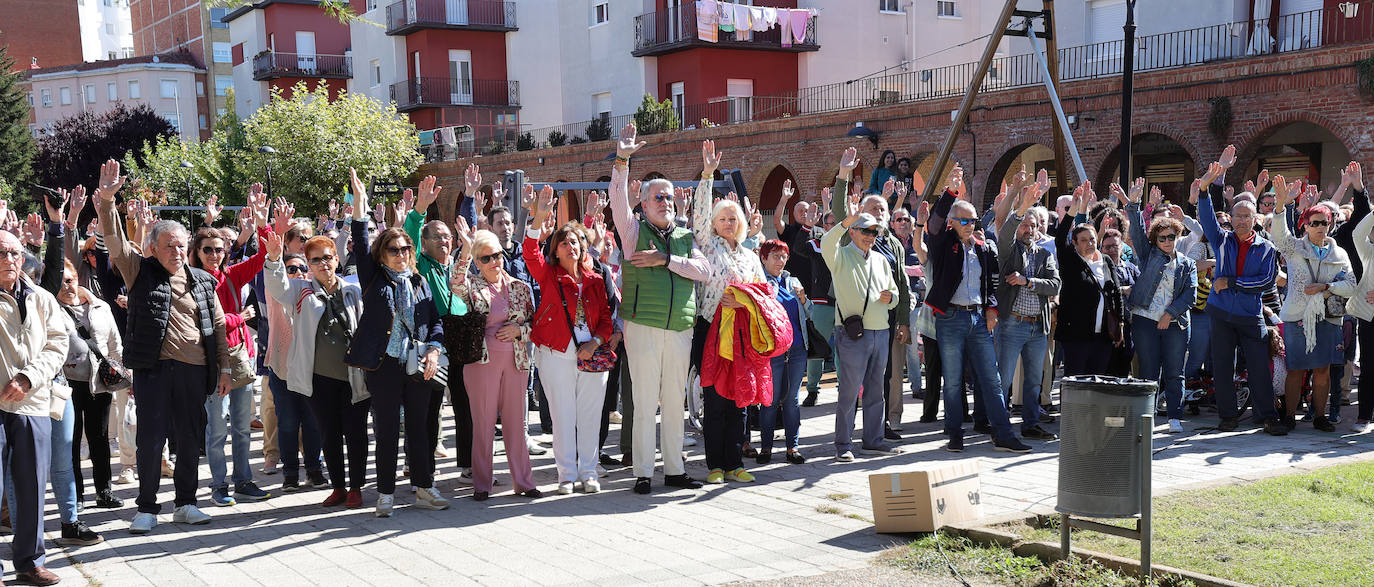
{"x":1105,"y":176}
{"x":1250,"y":143}
{"x":757,"y":180}
{"x":992,"y":183}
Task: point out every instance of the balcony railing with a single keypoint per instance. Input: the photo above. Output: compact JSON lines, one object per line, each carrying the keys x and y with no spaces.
{"x":665,"y":31}
{"x":407,"y":16}
{"x":271,"y":65}
{"x":427,"y":92}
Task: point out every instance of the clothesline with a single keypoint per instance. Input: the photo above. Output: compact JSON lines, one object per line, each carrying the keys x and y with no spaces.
{"x":713,"y":17}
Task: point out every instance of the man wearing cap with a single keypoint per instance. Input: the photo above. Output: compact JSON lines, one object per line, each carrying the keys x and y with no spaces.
{"x":865,"y":292}
{"x":963,"y":295}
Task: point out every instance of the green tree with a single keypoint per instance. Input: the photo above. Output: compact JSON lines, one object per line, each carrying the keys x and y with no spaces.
{"x":318,"y":140}
{"x":74,"y":148}
{"x":599,"y":129}
{"x":17,"y":147}
{"x":655,"y":117}
{"x":223,"y":166}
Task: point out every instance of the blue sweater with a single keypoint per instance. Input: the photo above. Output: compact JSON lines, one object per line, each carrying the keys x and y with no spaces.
{"x":1241,"y":300}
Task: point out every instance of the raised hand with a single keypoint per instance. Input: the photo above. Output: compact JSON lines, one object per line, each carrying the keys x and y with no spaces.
{"x":110,"y":182}
{"x":788,"y":191}
{"x":1263,"y":179}
{"x":1228,"y":157}
{"x":273,"y":244}
{"x":825,"y":199}
{"x":479,"y":200}
{"x":333,"y":209}
{"x":755,"y":223}
{"x":1156,"y":196}
{"x":851,"y":205}
{"x":1115,"y":190}
{"x":463,"y":235}
{"x":1353,"y":175}
{"x":379,"y":213}
{"x":710,"y":159}
{"x":849,"y":159}
{"x":1282,"y":196}
{"x":627,"y":146}
{"x":359,"y":194}
{"x":543,"y":205}
{"x":472,"y":180}
{"x":955,"y":183}
{"x":498,"y":193}
{"x":923,"y":212}
{"x":733,"y":197}
{"x":1042,"y":183}
{"x":33,"y":230}
{"x":635,"y":195}
{"x":78,"y":204}
{"x":901,"y":195}
{"x":1249,"y":186}
{"x":1019,"y":179}
{"x":212,"y":210}
{"x":1214,"y":171}
{"x":284,"y":211}
{"x":1194,"y":189}
{"x":528,"y":198}
{"x":406,"y":203}
{"x":889,"y":187}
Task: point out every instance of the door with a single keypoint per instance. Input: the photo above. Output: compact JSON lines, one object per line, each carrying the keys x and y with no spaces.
{"x":305,"y":51}
{"x":674,"y":20}
{"x":460,"y":76}
{"x":457,"y":11}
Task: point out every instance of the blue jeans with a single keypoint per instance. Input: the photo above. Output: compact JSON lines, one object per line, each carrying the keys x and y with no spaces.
{"x":61,"y":476}
{"x":788,"y":370}
{"x":824,"y":319}
{"x":964,"y":336}
{"x":239,"y":405}
{"x":1161,"y":358}
{"x":295,"y":428}
{"x":1028,"y":342}
{"x":1199,"y":344}
{"x":860,"y":364}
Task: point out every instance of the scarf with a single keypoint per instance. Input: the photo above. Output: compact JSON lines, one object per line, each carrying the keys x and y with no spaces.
{"x":403,"y":314}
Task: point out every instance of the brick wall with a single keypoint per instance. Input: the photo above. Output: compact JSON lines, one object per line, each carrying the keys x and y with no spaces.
{"x":46,"y":29}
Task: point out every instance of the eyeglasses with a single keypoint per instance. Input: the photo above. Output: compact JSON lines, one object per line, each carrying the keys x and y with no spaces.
{"x":869,"y":231}
{"x":294,"y":269}
{"x":1226,"y":225}
{"x":399,"y":251}
{"x":321,"y":260}
{"x":440,"y":237}
{"x":902,"y":220}
{"x":484,"y":259}
{"x":212,"y":250}
{"x":965,"y":221}
{"x":1166,"y":238}
{"x":1317,"y":223}
{"x":11,"y":254}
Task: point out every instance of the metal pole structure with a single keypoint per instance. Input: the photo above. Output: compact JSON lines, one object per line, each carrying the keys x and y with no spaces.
{"x":998,"y":31}
{"x":1054,"y":100}
{"x":1127,"y":86}
{"x":1147,"y":426}
{"x":1061,"y":165}
{"x":190,"y":216}
{"x":1064,"y":531}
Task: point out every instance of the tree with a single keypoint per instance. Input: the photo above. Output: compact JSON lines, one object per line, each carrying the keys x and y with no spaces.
{"x":318,"y":140}
{"x":75,"y":147}
{"x":557,"y":138}
{"x":17,"y":147}
{"x":525,"y":142}
{"x":655,"y":117}
{"x":599,"y":129}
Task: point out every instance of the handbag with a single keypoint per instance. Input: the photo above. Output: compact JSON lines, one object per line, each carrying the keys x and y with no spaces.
{"x":854,"y":325}
{"x":109,"y":375}
{"x":465,"y":336}
{"x":417,"y":373}
{"x":817,"y":347}
{"x":243,"y":370}
{"x":603,"y":359}
{"x":1335,"y":305}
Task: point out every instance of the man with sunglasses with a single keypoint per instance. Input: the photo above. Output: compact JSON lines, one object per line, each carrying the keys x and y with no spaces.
{"x":964,"y":275}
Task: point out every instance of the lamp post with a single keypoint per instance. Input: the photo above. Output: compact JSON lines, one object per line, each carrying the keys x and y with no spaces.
{"x":1127,"y":86}
{"x":267,"y":150}
{"x":188,"y":166}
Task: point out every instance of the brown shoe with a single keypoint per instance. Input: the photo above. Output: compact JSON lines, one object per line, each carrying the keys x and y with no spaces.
{"x":38,"y":576}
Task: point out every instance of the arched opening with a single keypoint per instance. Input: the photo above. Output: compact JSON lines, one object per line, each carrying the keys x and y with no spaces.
{"x":569,"y":205}
{"x":1159,"y":159}
{"x":924,"y":165}
{"x":1034,"y":156}
{"x":771,"y":193}
{"x":1299,"y":150}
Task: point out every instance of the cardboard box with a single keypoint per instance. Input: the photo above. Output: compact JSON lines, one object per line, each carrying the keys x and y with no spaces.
{"x":927,"y":499}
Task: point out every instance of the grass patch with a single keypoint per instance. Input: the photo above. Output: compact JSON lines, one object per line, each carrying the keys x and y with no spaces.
{"x":858,"y":517}
{"x":936,"y":553}
{"x":1310,"y":529}
{"x":838,"y":496}
{"x":829,"y":509}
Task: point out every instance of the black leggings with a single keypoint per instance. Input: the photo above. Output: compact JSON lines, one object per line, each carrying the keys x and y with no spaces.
{"x":722,"y":422}
{"x":341,"y":422}
{"x":93,"y":418}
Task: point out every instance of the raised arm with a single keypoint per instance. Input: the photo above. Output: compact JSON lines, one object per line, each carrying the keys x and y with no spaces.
{"x":702,"y":200}
{"x":621,"y":209}
{"x":918,"y":241}
{"x":780,"y":218}
{"x":112,"y":226}
{"x":540,"y":212}
{"x":361,"y":248}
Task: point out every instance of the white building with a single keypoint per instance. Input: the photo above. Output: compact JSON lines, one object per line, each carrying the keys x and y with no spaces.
{"x":173,"y":85}
{"x":107,"y":30}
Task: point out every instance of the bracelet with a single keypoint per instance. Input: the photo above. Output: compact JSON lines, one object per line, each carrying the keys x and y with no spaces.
{"x":619,"y":159}
{"x":920,"y":225}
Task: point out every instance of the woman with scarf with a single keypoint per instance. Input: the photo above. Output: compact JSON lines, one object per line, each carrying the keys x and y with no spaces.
{"x":399,"y":329}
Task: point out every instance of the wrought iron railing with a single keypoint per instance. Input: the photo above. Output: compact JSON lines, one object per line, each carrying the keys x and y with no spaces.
{"x":443,"y":91}
{"x":676,"y":27}
{"x":411,"y":14}
{"x":272,"y":65}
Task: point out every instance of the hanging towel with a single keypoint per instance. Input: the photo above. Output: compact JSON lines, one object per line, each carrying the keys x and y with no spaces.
{"x":799,"y":18}
{"x":706,"y":21}
{"x":756,"y":20}
{"x":727,"y":16}
{"x":770,"y":18}
{"x":743,"y":24}
{"x":786,"y":35}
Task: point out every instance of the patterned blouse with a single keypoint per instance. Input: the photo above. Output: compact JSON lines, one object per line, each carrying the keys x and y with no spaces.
{"x":474,"y":290}
{"x":740,"y":265}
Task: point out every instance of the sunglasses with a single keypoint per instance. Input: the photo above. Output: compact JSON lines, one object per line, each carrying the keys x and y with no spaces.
{"x":869,"y":231}
{"x":399,"y":251}
{"x":662,"y":197}
{"x":321,"y":260}
{"x":1318,"y":223}
{"x":902,"y":220}
{"x":294,"y":269}
{"x":212,"y":250}
{"x":965,"y":221}
{"x":1166,"y":238}
{"x":484,"y":259}
{"x":1226,"y":225}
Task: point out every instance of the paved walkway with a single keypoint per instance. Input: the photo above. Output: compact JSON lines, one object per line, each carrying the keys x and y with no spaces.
{"x":769,"y":529}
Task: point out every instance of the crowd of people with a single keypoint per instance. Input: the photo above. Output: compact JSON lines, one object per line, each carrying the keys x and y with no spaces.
{"x":134,"y":326}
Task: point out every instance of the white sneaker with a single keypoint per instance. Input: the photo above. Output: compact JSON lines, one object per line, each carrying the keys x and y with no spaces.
{"x":428,"y":498}
{"x":1175,"y":427}
{"x":591,"y":486}
{"x":544,"y":439}
{"x":384,"y":505}
{"x":565,"y":488}
{"x":440,"y":453}
{"x":535,"y":449}
{"x":143,"y":523}
{"x":465,"y":477}
{"x":1360,"y":426}
{"x":616,"y":418}
{"x":189,"y":514}
{"x":126,"y":476}
{"x":688,"y":441}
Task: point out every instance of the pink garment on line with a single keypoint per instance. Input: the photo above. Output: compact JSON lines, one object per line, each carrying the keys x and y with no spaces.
{"x":798,"y":19}
{"x":783,"y":17}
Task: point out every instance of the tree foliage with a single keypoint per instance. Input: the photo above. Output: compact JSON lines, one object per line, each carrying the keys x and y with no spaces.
{"x":599,"y":129}
{"x":222,"y":166}
{"x":17,"y":147}
{"x":557,"y":138}
{"x":655,"y":117}
{"x":74,"y":148}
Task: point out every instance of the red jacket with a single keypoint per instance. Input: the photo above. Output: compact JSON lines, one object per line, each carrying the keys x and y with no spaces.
{"x":748,"y":378}
{"x":550,"y":328}
{"x":231,"y":282}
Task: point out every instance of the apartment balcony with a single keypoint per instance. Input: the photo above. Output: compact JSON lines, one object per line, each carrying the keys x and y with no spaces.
{"x":431,"y":92}
{"x":675,"y":29}
{"x":407,"y":16}
{"x":270,"y":65}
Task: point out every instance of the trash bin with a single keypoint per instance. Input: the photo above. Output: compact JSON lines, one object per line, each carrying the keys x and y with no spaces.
{"x":1099,"y":470}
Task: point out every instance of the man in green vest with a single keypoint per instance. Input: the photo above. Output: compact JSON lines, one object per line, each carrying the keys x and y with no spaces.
{"x":659,"y":307}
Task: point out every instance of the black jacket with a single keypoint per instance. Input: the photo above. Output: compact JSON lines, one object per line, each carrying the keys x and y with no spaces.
{"x":1080,"y":294}
{"x":945,"y":259}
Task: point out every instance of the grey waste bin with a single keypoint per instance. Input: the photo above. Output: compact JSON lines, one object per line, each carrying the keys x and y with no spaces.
{"x":1099,"y":471}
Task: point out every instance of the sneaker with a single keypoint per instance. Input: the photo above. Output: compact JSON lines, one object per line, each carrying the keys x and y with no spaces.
{"x":384,"y":504}
{"x":1334,"y":418}
{"x":881,"y":449}
{"x":810,"y":400}
{"x":891,"y":434}
{"x":1012,"y":444}
{"x":1045,"y":418}
{"x":336,"y":498}
{"x":545,"y":439}
{"x":126,"y":476}
{"x":606,"y":460}
{"x":167,"y":469}
{"x":715,"y":477}
{"x":681,"y":482}
{"x":440,"y":453}
{"x":290,"y":485}
{"x":189,"y":514}
{"x":354,"y":500}
{"x":591,"y":486}
{"x":1037,"y":433}
{"x":1228,"y":424}
{"x":428,"y":498}
{"x":1175,"y":427}
{"x":1275,"y":428}
{"x":845,"y":457}
{"x":465,"y":477}
{"x":616,"y":418}
{"x":220,"y":497}
{"x":642,"y":485}
{"x":765,"y":457}
{"x":1321,"y":423}
{"x":269,"y":467}
{"x":565,"y":488}
{"x":105,"y":499}
{"x":955,"y":445}
{"x":688,"y":441}
{"x":316,"y":479}
{"x":78,"y":534}
{"x":740,"y":476}
{"x":248,"y":491}
{"x":795,"y":457}
{"x":535,"y":448}
{"x":1360,"y":426}
{"x":143,"y":523}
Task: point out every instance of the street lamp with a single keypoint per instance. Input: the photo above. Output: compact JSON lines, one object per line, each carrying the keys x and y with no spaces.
{"x":267,"y":162}
{"x":1127,"y":86}
{"x":188,"y":166}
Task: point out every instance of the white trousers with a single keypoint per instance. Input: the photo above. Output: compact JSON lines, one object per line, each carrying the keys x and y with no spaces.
{"x":575,"y":402}
{"x":659,"y":360}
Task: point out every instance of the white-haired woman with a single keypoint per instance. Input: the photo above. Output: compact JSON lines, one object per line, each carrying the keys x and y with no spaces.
{"x":720,"y":230}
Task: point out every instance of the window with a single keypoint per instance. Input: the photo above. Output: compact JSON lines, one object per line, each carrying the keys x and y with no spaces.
{"x":168,"y":88}
{"x":204,"y":123}
{"x":128,"y":52}
{"x":46,"y":96}
{"x":677,"y":91}
{"x":221,"y":111}
{"x":64,"y":96}
{"x":109,"y":26}
{"x":222,"y":84}
{"x":109,"y":2}
{"x":30,"y":99}
{"x":601,"y":13}
{"x":217,"y":18}
{"x":89,"y":91}
{"x":134,"y":92}
{"x":375,"y":66}
{"x":174,"y":119}
{"x":222,"y":53}
{"x":112,"y":91}
{"x":601,"y":104}
{"x":1105,"y":20}
{"x":740,"y":94}
{"x":371,"y":5}
{"x":112,"y":55}
{"x":946,"y":8}
{"x":200,"y":88}
{"x":889,"y":6}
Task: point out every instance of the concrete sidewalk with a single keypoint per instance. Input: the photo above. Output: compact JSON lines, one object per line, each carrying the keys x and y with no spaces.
{"x":768,"y":529}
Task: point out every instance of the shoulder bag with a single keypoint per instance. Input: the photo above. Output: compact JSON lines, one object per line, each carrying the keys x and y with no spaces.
{"x":603,"y":359}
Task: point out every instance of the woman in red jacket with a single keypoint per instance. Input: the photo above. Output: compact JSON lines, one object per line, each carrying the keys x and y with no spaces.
{"x":573,"y":320}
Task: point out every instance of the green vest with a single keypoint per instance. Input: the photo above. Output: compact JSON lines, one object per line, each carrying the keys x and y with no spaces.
{"x":655,"y":296}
